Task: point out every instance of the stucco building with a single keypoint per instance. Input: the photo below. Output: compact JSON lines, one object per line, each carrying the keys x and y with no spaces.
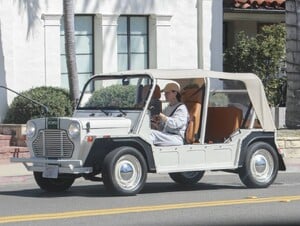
{"x":114,"y":35}
{"x":111,"y":35}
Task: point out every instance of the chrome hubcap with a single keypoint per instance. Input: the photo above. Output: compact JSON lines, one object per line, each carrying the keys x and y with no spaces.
{"x":128,"y":172}
{"x":262,"y":165}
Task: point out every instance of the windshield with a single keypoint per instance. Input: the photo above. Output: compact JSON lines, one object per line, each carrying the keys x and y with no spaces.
{"x":114,"y":92}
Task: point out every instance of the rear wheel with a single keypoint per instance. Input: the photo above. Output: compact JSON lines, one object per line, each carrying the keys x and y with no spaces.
{"x":260,"y":167}
{"x":124,"y":171}
{"x":53,"y":185}
{"x":187,"y":178}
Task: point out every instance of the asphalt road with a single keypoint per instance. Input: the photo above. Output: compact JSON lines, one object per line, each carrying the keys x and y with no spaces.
{"x":218,"y":199}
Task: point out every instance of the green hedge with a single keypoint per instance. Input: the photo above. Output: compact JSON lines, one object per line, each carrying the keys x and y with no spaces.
{"x":56,"y":99}
{"x":264,"y":55}
{"x":113,"y":96}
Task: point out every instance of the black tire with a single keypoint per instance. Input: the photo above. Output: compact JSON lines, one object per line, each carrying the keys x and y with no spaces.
{"x":187,"y":178}
{"x":261,"y":165}
{"x":124,"y":171}
{"x":53,"y":185}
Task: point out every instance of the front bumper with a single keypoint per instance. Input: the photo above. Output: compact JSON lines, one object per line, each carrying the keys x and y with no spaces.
{"x":64,"y":166}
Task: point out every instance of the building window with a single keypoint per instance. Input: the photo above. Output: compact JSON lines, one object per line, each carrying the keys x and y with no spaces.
{"x":84,"y":50}
{"x":133,"y":50}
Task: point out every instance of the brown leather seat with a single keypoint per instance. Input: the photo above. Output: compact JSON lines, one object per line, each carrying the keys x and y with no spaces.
{"x":191,"y":96}
{"x":221,"y":122}
{"x":155,"y":103}
{"x":156,"y":93}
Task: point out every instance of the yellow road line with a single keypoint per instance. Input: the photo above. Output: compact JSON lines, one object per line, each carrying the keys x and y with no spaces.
{"x":138,"y":209}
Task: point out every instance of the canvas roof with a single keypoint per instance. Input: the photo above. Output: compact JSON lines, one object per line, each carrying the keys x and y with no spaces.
{"x":253,"y":84}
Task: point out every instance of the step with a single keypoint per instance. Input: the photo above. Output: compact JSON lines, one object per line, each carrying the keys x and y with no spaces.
{"x":5,"y":140}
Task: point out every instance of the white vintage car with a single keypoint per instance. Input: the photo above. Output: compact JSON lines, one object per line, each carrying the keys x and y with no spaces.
{"x":108,"y":138}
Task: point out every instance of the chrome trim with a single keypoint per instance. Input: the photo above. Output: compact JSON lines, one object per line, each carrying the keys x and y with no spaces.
{"x":52,"y":143}
{"x":65,"y":166}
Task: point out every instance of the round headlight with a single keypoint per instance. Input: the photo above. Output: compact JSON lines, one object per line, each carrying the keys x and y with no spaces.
{"x":74,"y":129}
{"x":30,"y":129}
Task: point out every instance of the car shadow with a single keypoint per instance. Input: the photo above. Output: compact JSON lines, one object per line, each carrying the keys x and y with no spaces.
{"x":157,"y":187}
{"x":100,"y":191}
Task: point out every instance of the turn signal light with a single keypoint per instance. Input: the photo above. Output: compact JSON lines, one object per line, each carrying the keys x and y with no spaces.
{"x":90,"y":139}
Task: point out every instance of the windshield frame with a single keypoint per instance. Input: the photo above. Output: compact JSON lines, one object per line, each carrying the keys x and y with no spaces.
{"x":89,"y":87}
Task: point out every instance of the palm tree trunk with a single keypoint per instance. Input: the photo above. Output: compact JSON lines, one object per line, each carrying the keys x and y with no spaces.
{"x":293,"y":64}
{"x":68,"y":7}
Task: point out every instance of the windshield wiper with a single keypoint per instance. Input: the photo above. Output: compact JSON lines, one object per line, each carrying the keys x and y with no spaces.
{"x":105,"y":112}
{"x":123,"y":113}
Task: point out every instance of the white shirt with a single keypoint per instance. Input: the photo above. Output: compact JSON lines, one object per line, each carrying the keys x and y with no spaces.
{"x":177,"y":122}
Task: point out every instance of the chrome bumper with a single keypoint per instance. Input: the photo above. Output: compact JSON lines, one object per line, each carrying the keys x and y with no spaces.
{"x":64,"y":166}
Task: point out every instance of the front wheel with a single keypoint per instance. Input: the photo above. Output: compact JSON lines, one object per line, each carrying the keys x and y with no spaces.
{"x":53,"y":185}
{"x":124,"y":171}
{"x":260,"y":167}
{"x":187,"y":178}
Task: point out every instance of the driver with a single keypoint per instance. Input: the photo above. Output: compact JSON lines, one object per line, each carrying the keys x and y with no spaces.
{"x":170,"y":125}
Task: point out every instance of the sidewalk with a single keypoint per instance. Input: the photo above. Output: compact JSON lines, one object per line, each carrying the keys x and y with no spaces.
{"x":292,"y":164}
{"x":13,"y":169}
{"x":11,"y":173}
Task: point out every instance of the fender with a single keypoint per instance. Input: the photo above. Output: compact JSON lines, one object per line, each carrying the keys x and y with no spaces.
{"x":268,"y":137}
{"x":102,"y":146}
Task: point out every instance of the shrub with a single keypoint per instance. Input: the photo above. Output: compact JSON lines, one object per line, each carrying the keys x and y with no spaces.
{"x":263,"y":55}
{"x":218,"y":100}
{"x":113,"y":96}
{"x":56,"y":99}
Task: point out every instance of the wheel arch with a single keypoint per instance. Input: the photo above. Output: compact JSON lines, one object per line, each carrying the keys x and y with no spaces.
{"x":266,"y":137}
{"x":143,"y":147}
{"x":103,"y":146}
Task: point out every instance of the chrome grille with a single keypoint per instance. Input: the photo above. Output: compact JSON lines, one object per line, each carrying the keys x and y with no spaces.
{"x":53,"y":144}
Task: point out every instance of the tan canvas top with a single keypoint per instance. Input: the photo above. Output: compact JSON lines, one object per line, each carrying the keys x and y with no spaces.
{"x":253,"y":84}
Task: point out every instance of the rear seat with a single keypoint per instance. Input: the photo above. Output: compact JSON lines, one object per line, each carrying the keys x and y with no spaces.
{"x":221,"y":122}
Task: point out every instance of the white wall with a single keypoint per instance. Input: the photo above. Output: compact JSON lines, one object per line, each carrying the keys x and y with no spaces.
{"x":30,"y":38}
{"x":210,"y":35}
{"x":23,"y":47}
